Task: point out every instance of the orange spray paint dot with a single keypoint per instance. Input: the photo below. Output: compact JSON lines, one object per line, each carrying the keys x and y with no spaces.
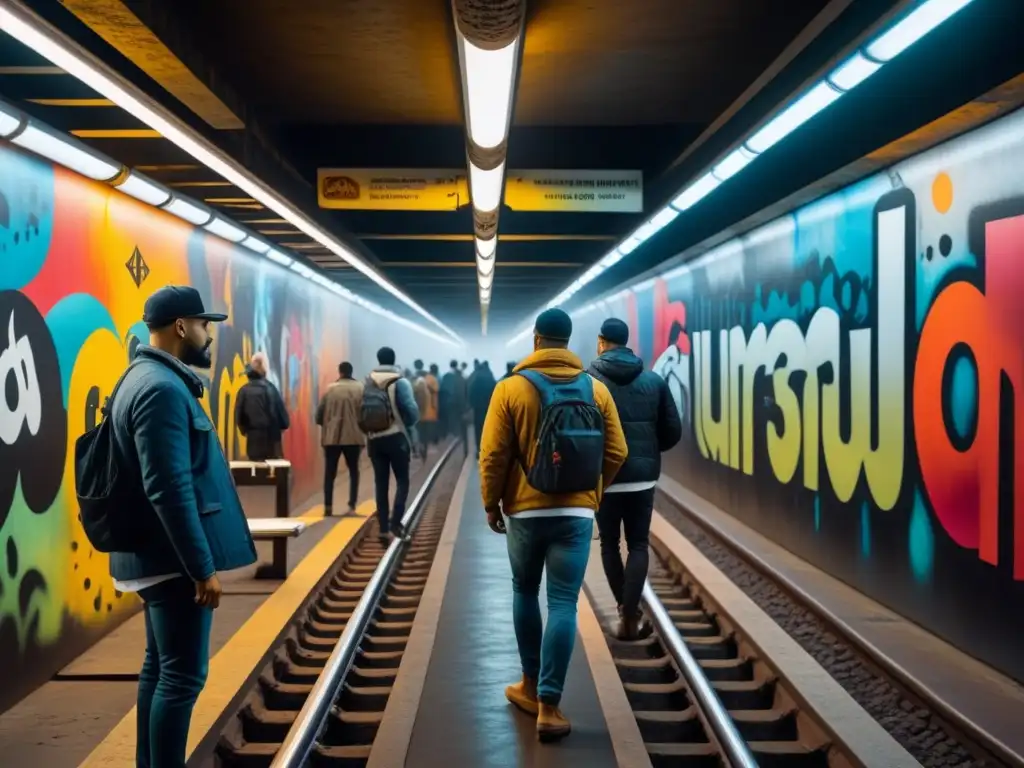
{"x":942,"y":193}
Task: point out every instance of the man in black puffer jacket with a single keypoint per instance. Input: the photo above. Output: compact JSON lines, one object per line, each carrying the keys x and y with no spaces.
{"x":651,"y":424}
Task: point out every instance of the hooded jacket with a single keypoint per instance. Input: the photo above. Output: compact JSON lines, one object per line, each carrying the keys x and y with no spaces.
{"x":510,"y":436}
{"x":403,"y":400}
{"x":261,"y":416}
{"x":646,"y":409}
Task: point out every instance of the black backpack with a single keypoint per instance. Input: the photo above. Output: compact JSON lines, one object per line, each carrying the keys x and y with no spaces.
{"x":107,"y":498}
{"x":375,"y":412}
{"x":570,"y":439}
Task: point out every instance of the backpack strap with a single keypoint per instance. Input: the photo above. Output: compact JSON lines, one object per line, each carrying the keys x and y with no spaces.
{"x":109,"y":402}
{"x":579,"y":389}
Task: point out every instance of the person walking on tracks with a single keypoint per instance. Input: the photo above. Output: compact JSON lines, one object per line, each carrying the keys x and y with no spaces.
{"x":155,"y":491}
{"x":651,"y":424}
{"x":387,"y":413}
{"x":551,"y":442}
{"x":338,"y":417}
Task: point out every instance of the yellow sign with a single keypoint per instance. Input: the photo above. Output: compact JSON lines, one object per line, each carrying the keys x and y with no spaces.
{"x":575,"y":191}
{"x":392,"y":189}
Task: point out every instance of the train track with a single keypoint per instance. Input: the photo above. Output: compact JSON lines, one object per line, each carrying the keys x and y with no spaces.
{"x":255,"y":735}
{"x":676,"y":729}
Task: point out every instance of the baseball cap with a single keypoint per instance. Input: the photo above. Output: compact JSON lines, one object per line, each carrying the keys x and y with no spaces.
{"x":169,"y":303}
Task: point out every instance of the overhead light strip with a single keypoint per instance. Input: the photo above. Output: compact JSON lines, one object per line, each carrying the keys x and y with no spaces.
{"x":23,"y":25}
{"x":488,"y":78}
{"x":849,"y":74}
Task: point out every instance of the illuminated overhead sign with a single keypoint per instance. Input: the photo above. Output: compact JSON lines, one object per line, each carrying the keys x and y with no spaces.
{"x":575,"y":191}
{"x":408,"y":189}
{"x":392,"y":189}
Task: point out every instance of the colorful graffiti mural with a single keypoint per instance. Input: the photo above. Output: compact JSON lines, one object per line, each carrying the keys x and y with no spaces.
{"x":77,"y":261}
{"x":849,"y":377}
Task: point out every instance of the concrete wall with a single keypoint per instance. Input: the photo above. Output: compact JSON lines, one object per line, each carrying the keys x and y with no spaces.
{"x":849,"y":376}
{"x":70,"y":309}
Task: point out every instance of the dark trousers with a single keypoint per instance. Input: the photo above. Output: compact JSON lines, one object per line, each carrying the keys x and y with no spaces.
{"x":478,"y":428}
{"x":390,"y":455}
{"x":173,"y":673}
{"x":332,"y":455}
{"x":630,"y":512}
{"x":457,"y":429}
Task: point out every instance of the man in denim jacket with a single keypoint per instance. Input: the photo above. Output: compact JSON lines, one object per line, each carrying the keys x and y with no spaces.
{"x":189,"y":516}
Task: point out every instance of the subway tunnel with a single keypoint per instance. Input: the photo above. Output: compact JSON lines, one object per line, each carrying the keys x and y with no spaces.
{"x":806,"y":213}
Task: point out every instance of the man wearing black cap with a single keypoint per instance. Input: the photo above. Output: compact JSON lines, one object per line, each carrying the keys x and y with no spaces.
{"x":651,"y":424}
{"x":190,"y":520}
{"x":547,"y":482}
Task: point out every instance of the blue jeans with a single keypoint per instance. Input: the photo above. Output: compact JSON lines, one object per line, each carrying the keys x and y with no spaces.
{"x":173,"y":673}
{"x":563,"y":545}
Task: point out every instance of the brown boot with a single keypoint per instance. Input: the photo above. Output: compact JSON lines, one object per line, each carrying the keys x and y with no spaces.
{"x":551,"y":723}
{"x":523,"y":695}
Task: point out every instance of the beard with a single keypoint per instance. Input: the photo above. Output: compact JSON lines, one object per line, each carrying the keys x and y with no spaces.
{"x":196,"y":356}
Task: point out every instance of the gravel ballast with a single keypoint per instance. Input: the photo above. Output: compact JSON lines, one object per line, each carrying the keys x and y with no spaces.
{"x":915,"y":727}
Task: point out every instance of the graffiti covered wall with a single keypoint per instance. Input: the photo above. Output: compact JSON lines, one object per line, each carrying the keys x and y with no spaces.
{"x":77,"y":261}
{"x":849,"y":377}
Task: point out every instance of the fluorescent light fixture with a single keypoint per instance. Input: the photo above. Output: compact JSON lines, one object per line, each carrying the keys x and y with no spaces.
{"x":696,"y":192}
{"x":226,"y":230}
{"x":24,"y":27}
{"x":145,"y":190}
{"x":854,"y":71}
{"x":629,"y":245}
{"x":489,"y":81}
{"x":255,"y":244}
{"x":10,"y":120}
{"x":485,"y":266}
{"x":190,"y":212}
{"x":612,"y":258}
{"x":485,"y":187}
{"x":663,"y":218}
{"x":485,"y":281}
{"x":279,"y":258}
{"x":795,"y":115}
{"x":66,"y":151}
{"x":733,"y":163}
{"x":916,"y":25}
{"x":485,"y":248}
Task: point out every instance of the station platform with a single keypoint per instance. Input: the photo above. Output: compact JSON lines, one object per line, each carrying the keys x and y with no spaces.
{"x":87,"y":709}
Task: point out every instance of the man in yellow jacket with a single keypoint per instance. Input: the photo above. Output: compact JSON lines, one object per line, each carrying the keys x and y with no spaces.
{"x":551,"y":443}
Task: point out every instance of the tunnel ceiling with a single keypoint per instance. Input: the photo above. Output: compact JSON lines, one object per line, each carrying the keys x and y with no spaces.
{"x":289,"y":87}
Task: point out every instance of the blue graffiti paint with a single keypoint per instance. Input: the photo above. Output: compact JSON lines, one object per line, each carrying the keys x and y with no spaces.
{"x":964,"y":396}
{"x":71,"y":321}
{"x":817,"y":513}
{"x":921,"y":541}
{"x":26,"y":217}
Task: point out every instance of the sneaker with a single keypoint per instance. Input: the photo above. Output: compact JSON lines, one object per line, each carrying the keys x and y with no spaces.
{"x":551,"y":723}
{"x":523,"y":695}
{"x":327,"y":511}
{"x":399,"y":532}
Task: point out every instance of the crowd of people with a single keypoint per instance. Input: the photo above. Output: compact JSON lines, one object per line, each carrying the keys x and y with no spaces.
{"x":558,"y":446}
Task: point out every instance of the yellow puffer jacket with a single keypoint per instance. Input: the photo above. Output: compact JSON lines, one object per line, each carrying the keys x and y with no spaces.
{"x":513,"y":420}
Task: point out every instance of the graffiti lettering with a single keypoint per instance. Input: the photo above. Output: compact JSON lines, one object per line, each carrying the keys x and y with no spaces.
{"x":16,"y":362}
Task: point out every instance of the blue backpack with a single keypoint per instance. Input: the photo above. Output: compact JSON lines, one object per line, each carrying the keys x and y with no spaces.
{"x":570,"y":439}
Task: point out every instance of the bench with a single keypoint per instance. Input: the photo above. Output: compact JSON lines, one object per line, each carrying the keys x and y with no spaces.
{"x":278,"y":531}
{"x":272,"y":472}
